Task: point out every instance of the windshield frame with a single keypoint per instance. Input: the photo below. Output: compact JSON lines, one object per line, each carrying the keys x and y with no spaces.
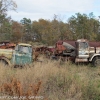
{"x":24,"y":49}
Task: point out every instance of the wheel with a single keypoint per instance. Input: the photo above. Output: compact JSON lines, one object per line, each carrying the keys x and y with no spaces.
{"x":2,"y":61}
{"x":96,"y":61}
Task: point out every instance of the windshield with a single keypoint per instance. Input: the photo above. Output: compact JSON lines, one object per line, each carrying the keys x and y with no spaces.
{"x":83,"y":45}
{"x":25,"y":49}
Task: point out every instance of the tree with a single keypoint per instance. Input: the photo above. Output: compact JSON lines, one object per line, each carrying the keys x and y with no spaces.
{"x":83,"y":26}
{"x":6,"y":5}
{"x":17,"y":31}
{"x":48,"y":31}
{"x":26,"y":29}
{"x":41,"y":30}
{"x":5,"y":22}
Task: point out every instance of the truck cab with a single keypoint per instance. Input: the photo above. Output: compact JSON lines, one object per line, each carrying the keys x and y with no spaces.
{"x":22,"y":54}
{"x":86,"y":53}
{"x":82,"y":48}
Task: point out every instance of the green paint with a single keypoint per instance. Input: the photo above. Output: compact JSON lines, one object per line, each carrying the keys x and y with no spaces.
{"x":22,"y":55}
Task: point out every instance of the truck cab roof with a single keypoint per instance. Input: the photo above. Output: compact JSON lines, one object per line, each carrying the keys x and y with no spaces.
{"x":24,"y":44}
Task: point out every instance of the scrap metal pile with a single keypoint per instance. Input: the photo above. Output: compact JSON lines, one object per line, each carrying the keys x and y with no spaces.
{"x":7,"y":45}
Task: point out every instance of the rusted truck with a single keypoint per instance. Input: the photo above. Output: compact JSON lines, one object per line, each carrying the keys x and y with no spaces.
{"x":81,"y":50}
{"x":7,"y":45}
{"x":21,"y":55}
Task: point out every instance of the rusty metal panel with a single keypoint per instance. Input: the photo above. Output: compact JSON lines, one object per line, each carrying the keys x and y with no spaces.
{"x":7,"y":45}
{"x":94,"y":44}
{"x":81,"y":60}
{"x":68,"y":46}
{"x":71,"y":42}
{"x":60,"y":47}
{"x":6,"y":53}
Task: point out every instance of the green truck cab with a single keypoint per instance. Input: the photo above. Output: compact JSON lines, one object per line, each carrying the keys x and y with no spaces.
{"x":21,"y":55}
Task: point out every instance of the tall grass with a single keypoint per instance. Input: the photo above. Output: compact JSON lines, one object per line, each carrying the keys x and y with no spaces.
{"x":58,"y":80}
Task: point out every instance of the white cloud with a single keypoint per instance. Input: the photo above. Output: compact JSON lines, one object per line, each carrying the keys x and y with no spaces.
{"x":36,"y":9}
{"x":54,"y":5}
{"x":33,"y":16}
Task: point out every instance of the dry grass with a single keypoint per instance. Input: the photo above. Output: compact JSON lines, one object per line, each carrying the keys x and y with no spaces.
{"x":54,"y":80}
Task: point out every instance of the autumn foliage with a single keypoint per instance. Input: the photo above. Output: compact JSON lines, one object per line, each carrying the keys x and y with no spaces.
{"x":15,"y":88}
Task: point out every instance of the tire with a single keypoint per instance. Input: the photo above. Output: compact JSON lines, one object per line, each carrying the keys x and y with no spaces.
{"x":2,"y":61}
{"x":96,"y":61}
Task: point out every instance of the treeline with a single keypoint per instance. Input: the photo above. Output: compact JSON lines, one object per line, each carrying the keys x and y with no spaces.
{"x":47,"y":31}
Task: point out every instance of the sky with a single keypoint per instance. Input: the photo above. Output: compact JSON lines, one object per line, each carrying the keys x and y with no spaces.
{"x":46,"y":9}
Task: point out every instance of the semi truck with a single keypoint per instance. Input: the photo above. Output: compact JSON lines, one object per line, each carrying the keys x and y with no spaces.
{"x":22,"y":54}
{"x":81,"y":50}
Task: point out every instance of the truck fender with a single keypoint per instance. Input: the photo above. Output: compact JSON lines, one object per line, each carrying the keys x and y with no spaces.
{"x":95,"y":55}
{"x":5,"y":59}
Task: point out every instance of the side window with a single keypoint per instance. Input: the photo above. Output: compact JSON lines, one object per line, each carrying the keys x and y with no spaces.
{"x":85,"y":44}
